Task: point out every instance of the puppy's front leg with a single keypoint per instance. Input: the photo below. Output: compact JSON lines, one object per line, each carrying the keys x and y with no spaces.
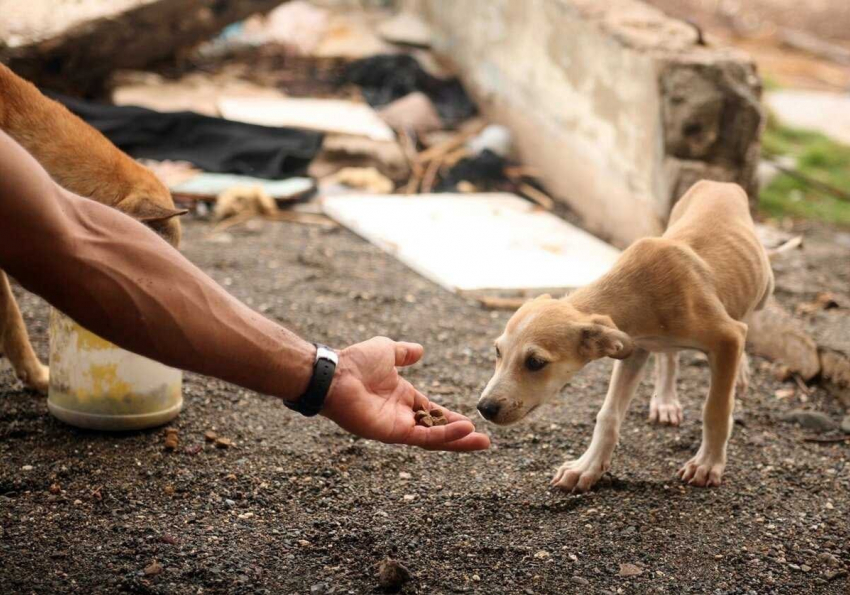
{"x":724,"y":357}
{"x":580,"y":475}
{"x":664,"y":407}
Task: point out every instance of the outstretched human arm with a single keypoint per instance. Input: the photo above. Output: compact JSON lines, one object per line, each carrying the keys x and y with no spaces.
{"x":120,"y":280}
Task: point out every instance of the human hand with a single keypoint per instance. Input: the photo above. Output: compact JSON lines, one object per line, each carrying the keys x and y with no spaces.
{"x":369,"y":398}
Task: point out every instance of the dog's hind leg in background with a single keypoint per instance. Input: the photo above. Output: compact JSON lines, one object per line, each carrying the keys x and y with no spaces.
{"x":15,"y":344}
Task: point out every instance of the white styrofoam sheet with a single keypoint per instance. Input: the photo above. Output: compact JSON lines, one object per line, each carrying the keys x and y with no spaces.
{"x":476,"y":241}
{"x":325,"y":115}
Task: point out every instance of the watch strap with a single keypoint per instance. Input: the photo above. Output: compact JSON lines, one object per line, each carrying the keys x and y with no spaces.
{"x":310,"y":403}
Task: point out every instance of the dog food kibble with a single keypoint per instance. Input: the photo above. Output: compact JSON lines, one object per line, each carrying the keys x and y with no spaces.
{"x":435,"y":417}
{"x":171,"y":440}
{"x":210,"y":436}
{"x":223,"y":443}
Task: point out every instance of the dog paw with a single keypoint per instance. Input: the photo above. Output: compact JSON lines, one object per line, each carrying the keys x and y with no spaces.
{"x":37,"y":378}
{"x":702,"y":471}
{"x":667,"y":412}
{"x":579,"y":475}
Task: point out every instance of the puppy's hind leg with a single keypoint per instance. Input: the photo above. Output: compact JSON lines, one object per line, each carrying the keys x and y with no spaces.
{"x":724,"y":356}
{"x":15,"y":343}
{"x":581,"y":474}
{"x":664,"y":407}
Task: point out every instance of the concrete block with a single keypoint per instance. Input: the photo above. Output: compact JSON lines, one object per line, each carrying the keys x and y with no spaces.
{"x":73,"y":45}
{"x":619,"y":106}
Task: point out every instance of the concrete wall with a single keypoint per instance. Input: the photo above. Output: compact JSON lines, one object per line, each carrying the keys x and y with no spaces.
{"x":618,"y":105}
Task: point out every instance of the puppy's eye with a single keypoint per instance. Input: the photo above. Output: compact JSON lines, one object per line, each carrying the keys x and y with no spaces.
{"x":498,"y":353}
{"x":535,"y":364}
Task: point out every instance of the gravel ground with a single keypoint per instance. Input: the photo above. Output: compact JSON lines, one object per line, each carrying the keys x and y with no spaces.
{"x":301,"y":507}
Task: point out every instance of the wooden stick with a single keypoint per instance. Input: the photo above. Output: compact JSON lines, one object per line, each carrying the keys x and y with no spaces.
{"x":452,"y":143}
{"x":538,"y":196}
{"x":500,"y":303}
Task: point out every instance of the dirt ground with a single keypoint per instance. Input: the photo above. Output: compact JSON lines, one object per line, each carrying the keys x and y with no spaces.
{"x":301,"y":507}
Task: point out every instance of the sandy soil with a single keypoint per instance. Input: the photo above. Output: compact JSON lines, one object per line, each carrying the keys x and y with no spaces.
{"x":300,"y":507}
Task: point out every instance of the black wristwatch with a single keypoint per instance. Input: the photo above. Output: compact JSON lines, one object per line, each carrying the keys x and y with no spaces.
{"x":311,"y":402}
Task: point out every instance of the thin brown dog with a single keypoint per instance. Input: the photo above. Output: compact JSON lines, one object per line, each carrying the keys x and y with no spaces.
{"x":82,"y":160}
{"x":692,"y":288}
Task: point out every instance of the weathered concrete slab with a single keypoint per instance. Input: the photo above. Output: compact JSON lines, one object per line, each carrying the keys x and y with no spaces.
{"x":619,"y":106}
{"x":73,"y":45}
{"x":471,"y":242}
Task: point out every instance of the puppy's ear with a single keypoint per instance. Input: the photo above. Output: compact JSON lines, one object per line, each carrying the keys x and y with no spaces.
{"x":599,"y":340}
{"x":148,"y":211}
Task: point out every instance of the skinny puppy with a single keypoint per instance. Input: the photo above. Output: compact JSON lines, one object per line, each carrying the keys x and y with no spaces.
{"x":692,"y":288}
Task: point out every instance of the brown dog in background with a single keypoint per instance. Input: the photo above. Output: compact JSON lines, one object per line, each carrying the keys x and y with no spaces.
{"x":693,"y":288}
{"x":83,"y":161}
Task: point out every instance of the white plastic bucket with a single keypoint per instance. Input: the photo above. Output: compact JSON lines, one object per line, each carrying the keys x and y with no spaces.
{"x":96,"y":385}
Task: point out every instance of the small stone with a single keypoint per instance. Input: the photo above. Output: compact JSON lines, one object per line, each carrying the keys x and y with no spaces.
{"x":811,"y":420}
{"x":169,"y":490}
{"x":581,"y":580}
{"x":845,"y":424}
{"x":392,"y":575}
{"x":476,"y":578}
{"x":26,"y":468}
{"x":77,"y":502}
{"x":55,"y":488}
{"x":210,"y":436}
{"x":627,"y":570}
{"x":542,"y":555}
{"x":805,"y":568}
{"x":153,"y":568}
{"x":829,"y":560}
{"x":303,"y":543}
{"x":404,"y":475}
{"x":169,"y":539}
{"x":223,"y":443}
{"x":246,"y":515}
{"x":409,"y":497}
{"x":784,"y":393}
{"x":229,"y":503}
{"x":193,"y":449}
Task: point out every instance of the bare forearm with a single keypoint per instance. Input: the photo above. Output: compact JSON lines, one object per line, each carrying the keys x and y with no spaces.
{"x":117,"y":278}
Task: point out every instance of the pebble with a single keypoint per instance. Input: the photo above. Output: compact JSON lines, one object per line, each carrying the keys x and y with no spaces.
{"x":627,"y":570}
{"x":409,"y":497}
{"x":26,"y":468}
{"x":229,"y":503}
{"x":55,"y":488}
{"x":542,"y":555}
{"x":392,"y":575}
{"x":153,"y":568}
{"x":581,"y":580}
{"x":404,"y":475}
{"x":811,"y":420}
{"x":829,"y":559}
{"x":845,"y":424}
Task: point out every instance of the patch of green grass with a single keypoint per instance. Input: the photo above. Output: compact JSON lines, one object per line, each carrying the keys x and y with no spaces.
{"x":817,"y":157}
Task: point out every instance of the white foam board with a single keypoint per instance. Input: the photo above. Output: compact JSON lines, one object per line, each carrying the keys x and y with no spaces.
{"x":325,"y":115}
{"x":468,"y":242}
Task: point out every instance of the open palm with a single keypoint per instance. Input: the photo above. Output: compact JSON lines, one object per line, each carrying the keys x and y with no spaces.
{"x":369,"y":398}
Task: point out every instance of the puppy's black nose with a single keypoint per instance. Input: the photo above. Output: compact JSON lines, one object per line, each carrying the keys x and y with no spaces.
{"x":488,"y":409}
